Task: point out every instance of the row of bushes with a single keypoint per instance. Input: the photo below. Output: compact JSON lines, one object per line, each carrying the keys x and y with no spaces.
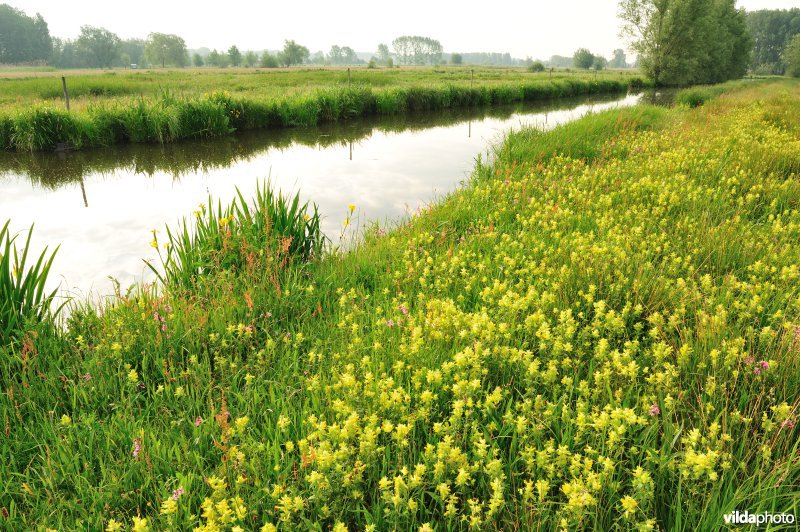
{"x":169,"y":118}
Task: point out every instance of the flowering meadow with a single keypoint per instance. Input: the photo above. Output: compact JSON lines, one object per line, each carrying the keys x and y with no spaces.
{"x":600,"y":331}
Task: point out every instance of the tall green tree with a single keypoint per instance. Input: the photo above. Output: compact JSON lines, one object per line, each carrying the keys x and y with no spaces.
{"x":582,"y":58}
{"x":417,"y":50}
{"x":293,"y":53}
{"x":599,"y":62}
{"x":791,"y":57}
{"x":771,"y":29}
{"x":217,"y":59}
{"x":197,"y":60}
{"x":618,"y":60}
{"x":383,"y":53}
{"x":132,"y":51}
{"x":342,"y":55}
{"x":65,"y":54}
{"x":99,"y":47}
{"x":235,"y":56}
{"x":250,"y":59}
{"x":268,"y":60}
{"x":166,"y":49}
{"x":728,"y":47}
{"x":680,"y":42}
{"x":23,"y":38}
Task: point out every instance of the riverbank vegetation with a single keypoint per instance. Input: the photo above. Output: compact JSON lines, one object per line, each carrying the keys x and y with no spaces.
{"x":165,"y":107}
{"x":600,"y":330}
{"x":53,"y":170}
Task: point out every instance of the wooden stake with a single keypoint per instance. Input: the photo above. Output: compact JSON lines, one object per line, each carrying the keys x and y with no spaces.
{"x":66,"y":94}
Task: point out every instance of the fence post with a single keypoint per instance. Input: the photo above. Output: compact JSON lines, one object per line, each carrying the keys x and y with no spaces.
{"x":66,"y":94}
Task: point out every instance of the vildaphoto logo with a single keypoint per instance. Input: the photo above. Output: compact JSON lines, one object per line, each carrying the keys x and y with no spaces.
{"x":746,"y":518}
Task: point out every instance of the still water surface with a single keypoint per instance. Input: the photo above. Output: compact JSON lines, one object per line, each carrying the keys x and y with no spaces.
{"x":101,"y":205}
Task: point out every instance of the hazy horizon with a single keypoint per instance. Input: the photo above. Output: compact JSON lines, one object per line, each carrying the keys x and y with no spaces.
{"x":535,"y":29}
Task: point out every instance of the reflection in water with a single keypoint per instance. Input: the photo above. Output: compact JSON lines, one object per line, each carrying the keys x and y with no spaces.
{"x":52,"y":170}
{"x":661,"y":96}
{"x":101,"y":205}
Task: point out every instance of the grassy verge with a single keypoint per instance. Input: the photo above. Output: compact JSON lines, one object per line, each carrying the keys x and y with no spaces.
{"x":590,"y":335}
{"x":174,"y":113}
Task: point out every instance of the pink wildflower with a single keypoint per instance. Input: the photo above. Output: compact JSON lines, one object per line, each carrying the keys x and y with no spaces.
{"x":788,"y":424}
{"x":654,"y":410}
{"x":137,"y":447}
{"x":198,"y":421}
{"x":176,"y":494}
{"x":403,"y":309}
{"x":87,"y":376}
{"x":390,"y":323}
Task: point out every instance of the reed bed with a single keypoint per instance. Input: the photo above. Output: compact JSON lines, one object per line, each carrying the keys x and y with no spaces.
{"x":172,"y":115}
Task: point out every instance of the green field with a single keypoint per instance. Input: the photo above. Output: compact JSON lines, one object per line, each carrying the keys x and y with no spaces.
{"x":167,"y":105}
{"x":600,"y":331}
{"x":90,"y":87}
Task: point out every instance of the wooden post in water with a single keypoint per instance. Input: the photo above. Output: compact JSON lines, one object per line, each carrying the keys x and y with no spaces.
{"x":83,"y":191}
{"x":66,"y":94}
{"x":351,"y":150}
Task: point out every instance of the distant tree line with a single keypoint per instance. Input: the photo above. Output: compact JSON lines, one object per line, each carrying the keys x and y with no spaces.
{"x":484,"y":58}
{"x":25,"y":39}
{"x":772,"y":31}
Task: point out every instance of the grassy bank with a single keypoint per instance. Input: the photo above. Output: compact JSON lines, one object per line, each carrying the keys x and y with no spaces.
{"x":601,"y":330}
{"x":171,"y":106}
{"x":55,"y":170}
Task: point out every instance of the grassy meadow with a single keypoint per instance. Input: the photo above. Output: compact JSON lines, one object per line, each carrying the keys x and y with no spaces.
{"x":160,"y":106}
{"x":600,"y":331}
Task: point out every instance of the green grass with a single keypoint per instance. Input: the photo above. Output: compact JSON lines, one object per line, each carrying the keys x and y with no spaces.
{"x":23,"y":300}
{"x":164,"y":107}
{"x":595,"y":336}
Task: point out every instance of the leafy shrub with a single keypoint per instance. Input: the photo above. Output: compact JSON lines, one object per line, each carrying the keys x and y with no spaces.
{"x":536,"y":66}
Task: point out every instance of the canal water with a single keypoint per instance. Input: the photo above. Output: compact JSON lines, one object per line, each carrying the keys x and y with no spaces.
{"x":100,"y":206}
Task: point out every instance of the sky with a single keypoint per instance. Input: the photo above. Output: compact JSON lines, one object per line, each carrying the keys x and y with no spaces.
{"x":523,"y":28}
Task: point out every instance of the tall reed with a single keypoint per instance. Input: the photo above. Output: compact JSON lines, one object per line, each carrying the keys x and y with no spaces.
{"x":165,"y":118}
{"x":224,"y":238}
{"x":23,"y":300}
